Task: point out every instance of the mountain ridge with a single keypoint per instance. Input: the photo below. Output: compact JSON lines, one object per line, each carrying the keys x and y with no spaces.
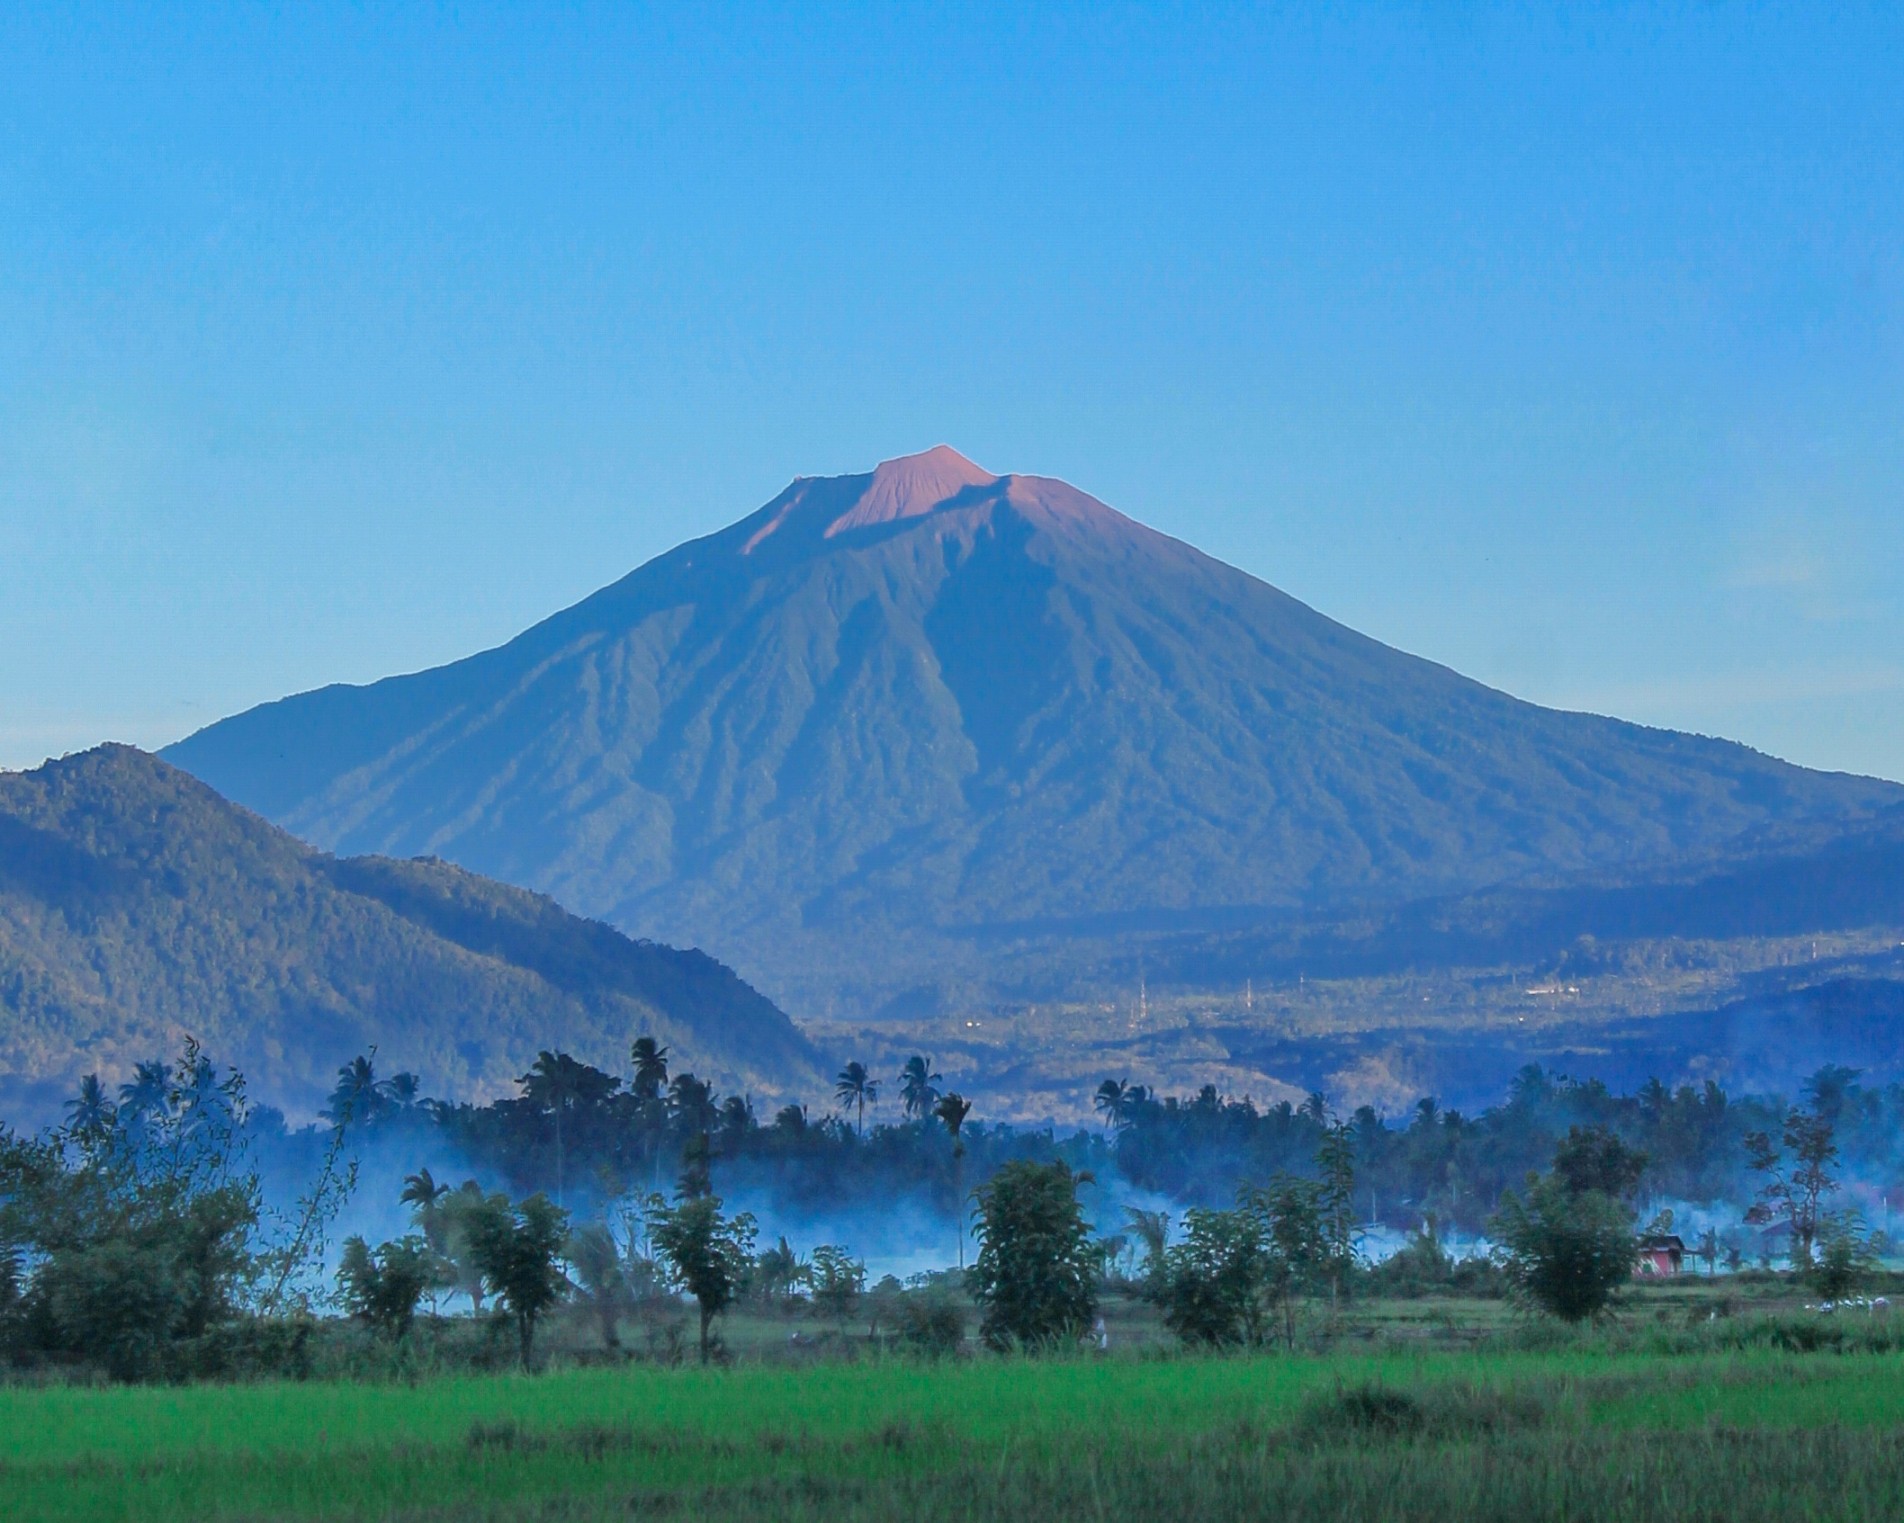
{"x":138,"y":907}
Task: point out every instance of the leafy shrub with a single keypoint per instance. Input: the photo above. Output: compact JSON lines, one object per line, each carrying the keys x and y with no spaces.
{"x":1567,"y":1252}
{"x":1210,"y":1285}
{"x":931,"y":1323}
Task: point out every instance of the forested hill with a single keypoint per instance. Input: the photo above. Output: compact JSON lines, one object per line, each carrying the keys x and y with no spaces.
{"x":887,"y":711}
{"x":137,"y":906}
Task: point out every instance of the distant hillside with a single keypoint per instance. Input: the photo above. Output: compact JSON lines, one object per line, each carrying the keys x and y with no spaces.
{"x":137,"y":906}
{"x":1790,"y":883}
{"x":888,"y":711}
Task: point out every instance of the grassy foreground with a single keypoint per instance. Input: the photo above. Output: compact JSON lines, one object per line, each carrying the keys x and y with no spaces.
{"x":1579,"y":1433}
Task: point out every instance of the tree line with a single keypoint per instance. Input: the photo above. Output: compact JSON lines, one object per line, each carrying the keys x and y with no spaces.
{"x":136,"y":1236}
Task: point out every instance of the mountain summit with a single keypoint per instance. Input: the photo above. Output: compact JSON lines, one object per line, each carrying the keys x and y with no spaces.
{"x":888,"y":710}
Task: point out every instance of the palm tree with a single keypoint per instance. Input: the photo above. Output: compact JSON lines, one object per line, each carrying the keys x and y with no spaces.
{"x":596,"y":1258}
{"x":1153,"y":1230}
{"x":355,"y":1096}
{"x":1113,"y":1102}
{"x":421,"y":1192}
{"x":90,"y":1110}
{"x":457,"y":1213}
{"x":917,"y":1087}
{"x":149,"y":1091}
{"x":737,"y":1118}
{"x":558,"y":1084}
{"x":856,"y":1086}
{"x":693,"y":1106}
{"x":651,"y":1068}
{"x":952,"y":1109}
{"x":401,"y":1089}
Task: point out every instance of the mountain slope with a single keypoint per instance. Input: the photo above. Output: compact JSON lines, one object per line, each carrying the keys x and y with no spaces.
{"x":1766,"y":888}
{"x":137,"y":906}
{"x":930,"y":700}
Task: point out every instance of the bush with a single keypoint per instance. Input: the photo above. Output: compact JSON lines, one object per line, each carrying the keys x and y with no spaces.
{"x":1210,"y":1285}
{"x":1566,"y":1252}
{"x":1459,"y":1410}
{"x":931,"y":1323}
{"x":1841,"y":1266}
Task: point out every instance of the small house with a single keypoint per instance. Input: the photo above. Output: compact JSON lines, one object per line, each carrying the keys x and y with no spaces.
{"x":1661,"y":1254}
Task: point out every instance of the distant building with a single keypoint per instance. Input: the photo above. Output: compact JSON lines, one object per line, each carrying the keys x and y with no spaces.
{"x":1660,"y":1254}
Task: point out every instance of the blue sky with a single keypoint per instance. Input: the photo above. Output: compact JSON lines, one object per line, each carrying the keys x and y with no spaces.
{"x":1562,"y":346}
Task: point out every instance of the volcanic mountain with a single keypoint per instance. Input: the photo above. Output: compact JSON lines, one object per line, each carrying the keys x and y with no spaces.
{"x":888,"y":711}
{"x":137,"y":907}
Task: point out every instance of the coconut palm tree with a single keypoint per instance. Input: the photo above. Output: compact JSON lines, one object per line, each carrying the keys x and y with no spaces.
{"x":693,"y":1106}
{"x":952,"y":1109}
{"x":856,"y":1087}
{"x":1152,"y":1229}
{"x":651,"y":1068}
{"x":456,"y":1212}
{"x":355,"y":1096}
{"x":558,"y":1084}
{"x":918,"y":1091}
{"x":149,"y":1091}
{"x":596,"y":1258}
{"x":90,"y":1112}
{"x":421,"y":1192}
{"x":1112,"y":1102}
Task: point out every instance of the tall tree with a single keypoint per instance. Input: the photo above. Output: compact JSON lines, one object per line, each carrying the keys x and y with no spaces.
{"x":1211,"y":1286}
{"x":600,"y":1277}
{"x":89,"y":1114}
{"x":1112,"y":1102}
{"x":355,"y":1098}
{"x":422,"y":1194}
{"x":856,"y":1087}
{"x":518,"y":1250}
{"x":456,"y":1213}
{"x":693,"y":1107}
{"x":1288,"y":1213}
{"x":918,"y":1087}
{"x":651,"y":1068}
{"x":1335,"y":1205}
{"x":710,"y":1253}
{"x":144,"y":1098}
{"x":952,"y":1109}
{"x":559,"y":1085}
{"x":1796,"y":1179}
{"x":1568,"y":1252}
{"x":1153,"y":1231}
{"x":1037,"y":1268}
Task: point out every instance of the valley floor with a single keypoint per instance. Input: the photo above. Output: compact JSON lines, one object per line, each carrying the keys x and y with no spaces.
{"x":1694,"y":1406}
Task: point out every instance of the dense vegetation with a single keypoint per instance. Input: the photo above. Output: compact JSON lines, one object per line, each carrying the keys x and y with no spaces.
{"x":135,"y":903}
{"x":139,"y":1237}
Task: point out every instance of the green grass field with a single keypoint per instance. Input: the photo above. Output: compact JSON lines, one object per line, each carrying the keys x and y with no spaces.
{"x":1596,"y":1430}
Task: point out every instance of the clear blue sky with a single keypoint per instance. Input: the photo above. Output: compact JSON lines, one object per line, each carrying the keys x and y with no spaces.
{"x":1567,"y":349}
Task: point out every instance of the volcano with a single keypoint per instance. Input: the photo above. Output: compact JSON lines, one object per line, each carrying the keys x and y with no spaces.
{"x":890,"y":712}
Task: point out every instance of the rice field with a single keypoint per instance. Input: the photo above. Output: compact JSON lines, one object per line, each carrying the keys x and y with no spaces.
{"x":1580,"y":1432}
